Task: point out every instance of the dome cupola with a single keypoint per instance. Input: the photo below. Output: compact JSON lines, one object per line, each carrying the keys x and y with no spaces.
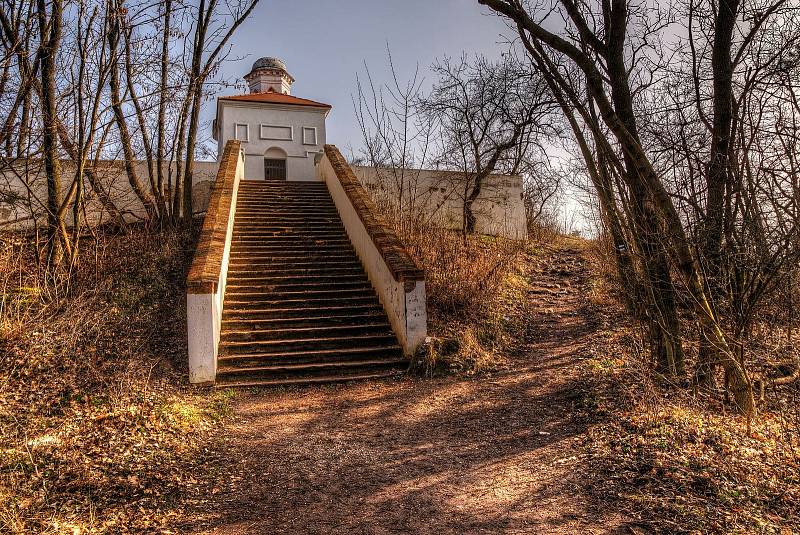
{"x":269,"y":75}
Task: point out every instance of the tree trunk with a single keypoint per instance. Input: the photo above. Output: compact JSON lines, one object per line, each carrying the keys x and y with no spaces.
{"x":114,"y":12}
{"x":50,"y":31}
{"x":662,"y":317}
{"x":146,"y":144}
{"x":191,"y":141}
{"x":470,"y":220}
{"x":162,"y":102}
{"x":717,"y":176}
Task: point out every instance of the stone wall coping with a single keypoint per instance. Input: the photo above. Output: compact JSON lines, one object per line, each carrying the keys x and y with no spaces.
{"x":402,"y":267}
{"x":206,"y":267}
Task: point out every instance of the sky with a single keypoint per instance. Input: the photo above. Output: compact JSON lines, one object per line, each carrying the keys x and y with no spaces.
{"x":326,"y":43}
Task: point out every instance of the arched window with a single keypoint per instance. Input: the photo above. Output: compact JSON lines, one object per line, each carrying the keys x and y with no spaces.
{"x":275,"y":164}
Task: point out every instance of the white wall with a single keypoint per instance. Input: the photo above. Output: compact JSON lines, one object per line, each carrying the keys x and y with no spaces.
{"x":403,"y":301}
{"x":110,"y":174}
{"x":499,"y":210}
{"x":299,"y":155}
{"x":204,"y":310}
{"x":439,"y":195}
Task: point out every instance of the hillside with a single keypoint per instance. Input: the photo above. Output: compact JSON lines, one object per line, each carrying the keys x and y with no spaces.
{"x":530,"y":413}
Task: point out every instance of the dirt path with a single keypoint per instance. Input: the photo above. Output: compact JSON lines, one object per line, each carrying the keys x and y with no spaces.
{"x":499,"y":454}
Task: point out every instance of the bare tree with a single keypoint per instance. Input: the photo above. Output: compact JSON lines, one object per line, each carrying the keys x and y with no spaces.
{"x":104,"y":80}
{"x":216,"y":22}
{"x":489,"y":118}
{"x":50,"y":24}
{"x":604,"y":43}
{"x":396,"y":137}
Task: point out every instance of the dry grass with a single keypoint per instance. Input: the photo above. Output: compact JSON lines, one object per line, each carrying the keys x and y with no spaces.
{"x":467,"y":282}
{"x":96,"y":433}
{"x":679,"y":462}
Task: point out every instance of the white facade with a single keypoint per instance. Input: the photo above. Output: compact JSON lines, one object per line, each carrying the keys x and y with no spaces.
{"x":273,"y":125}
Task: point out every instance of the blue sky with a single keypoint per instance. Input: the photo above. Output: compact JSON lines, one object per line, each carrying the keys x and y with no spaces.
{"x":325,"y":44}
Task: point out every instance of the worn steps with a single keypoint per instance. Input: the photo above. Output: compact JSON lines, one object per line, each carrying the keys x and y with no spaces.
{"x":299,"y":307}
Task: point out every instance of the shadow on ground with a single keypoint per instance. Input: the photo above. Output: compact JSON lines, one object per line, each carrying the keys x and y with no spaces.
{"x":492,"y":454}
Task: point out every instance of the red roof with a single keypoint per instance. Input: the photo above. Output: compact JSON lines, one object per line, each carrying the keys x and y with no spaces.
{"x":276,"y":98}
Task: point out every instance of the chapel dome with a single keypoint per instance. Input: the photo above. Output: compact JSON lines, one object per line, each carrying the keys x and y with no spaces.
{"x":269,"y":63}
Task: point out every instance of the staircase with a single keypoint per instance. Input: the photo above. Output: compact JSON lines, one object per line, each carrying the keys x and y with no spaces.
{"x":298,"y":307}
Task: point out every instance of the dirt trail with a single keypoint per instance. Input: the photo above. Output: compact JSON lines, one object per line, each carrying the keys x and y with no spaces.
{"x":498,"y":454}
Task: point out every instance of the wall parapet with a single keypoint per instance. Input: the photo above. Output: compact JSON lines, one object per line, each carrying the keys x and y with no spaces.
{"x":399,"y":262}
{"x":397,"y":279}
{"x":204,"y":272}
{"x":205,"y":283}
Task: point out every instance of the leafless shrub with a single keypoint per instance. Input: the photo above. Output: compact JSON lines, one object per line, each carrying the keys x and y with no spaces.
{"x":464,"y":278}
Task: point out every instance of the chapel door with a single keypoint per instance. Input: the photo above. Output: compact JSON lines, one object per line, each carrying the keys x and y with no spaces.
{"x":274,"y":169}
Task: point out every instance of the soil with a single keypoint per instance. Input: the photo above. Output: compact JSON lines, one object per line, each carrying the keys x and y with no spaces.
{"x":494,"y":453}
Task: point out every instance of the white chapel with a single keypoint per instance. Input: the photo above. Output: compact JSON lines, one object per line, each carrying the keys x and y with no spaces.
{"x":282,"y":135}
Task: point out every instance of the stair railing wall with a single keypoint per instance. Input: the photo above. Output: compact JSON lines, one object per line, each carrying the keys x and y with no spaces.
{"x":205,"y":284}
{"x":397,"y":279}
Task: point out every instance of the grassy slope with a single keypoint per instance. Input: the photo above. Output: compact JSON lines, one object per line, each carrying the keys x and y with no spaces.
{"x":681,"y":463}
{"x":98,"y":432}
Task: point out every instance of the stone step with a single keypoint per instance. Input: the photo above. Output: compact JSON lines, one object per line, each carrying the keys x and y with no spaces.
{"x":288,"y":217}
{"x":290,"y":233}
{"x":247,"y":321}
{"x":312,"y":371}
{"x":278,"y":201}
{"x":336,"y":287}
{"x":283,"y":227}
{"x":239,"y":251}
{"x":248,"y":188}
{"x":283,"y":184}
{"x":309,"y":344}
{"x":255,"y":243}
{"x":258,"y":359}
{"x":281,"y":255}
{"x":294,"y":242}
{"x":288,"y":221}
{"x":305,"y":187}
{"x":304,"y":311}
{"x":356,"y":276}
{"x":275,"y":201}
{"x":261,"y":301}
{"x":271,"y":259}
{"x":289,"y":230}
{"x":295,"y":192}
{"x":315,"y":250}
{"x":230,"y":334}
{"x":267,"y":207}
{"x":288,"y":240}
{"x":282,"y":195}
{"x":284,"y":230}
{"x":238,"y":294}
{"x":285,"y":215}
{"x":299,"y":269}
{"x":284,"y":200}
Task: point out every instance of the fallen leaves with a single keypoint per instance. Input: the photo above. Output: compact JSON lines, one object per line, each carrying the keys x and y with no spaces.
{"x":97,"y":433}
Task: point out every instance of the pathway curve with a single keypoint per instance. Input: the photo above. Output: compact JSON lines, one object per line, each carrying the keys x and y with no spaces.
{"x":492,"y":454}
